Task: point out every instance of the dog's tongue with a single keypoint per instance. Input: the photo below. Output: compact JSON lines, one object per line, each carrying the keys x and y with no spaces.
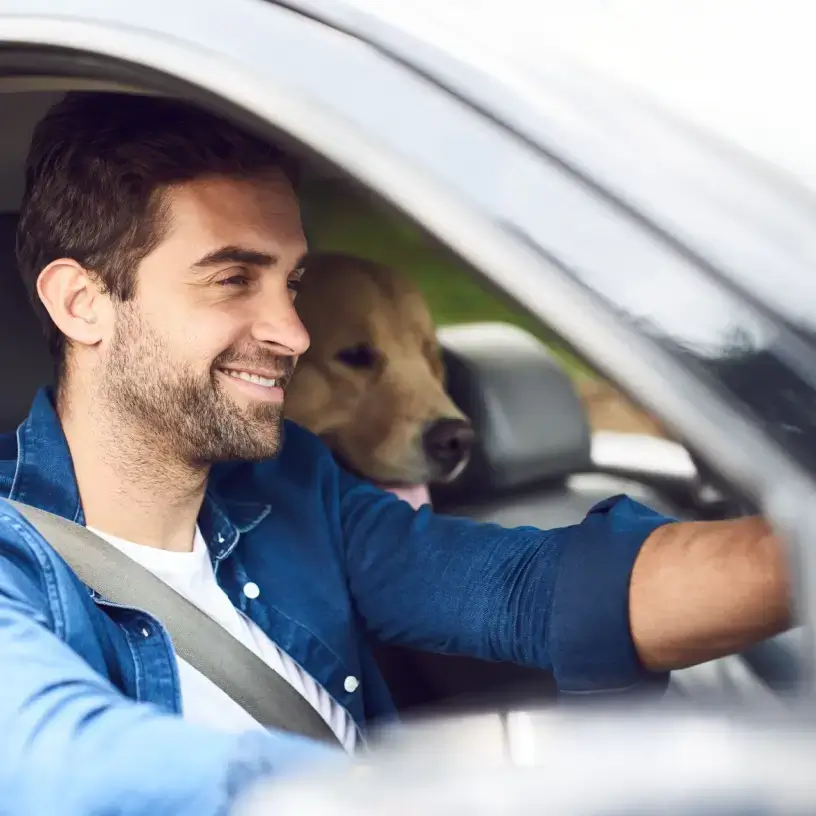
{"x":415,"y":495}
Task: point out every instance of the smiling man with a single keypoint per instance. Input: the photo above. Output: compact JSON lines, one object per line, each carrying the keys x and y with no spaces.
{"x":184,"y":363}
{"x":163,"y":250}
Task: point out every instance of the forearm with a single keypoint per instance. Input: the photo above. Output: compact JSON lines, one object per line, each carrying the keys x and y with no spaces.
{"x":137,"y":763}
{"x":701,"y":590}
{"x":72,"y":744}
{"x":554,"y":599}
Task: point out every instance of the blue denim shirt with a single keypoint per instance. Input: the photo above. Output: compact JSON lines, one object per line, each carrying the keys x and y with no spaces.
{"x":89,"y":689}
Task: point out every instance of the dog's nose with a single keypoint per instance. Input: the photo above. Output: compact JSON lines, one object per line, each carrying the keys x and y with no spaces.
{"x":447,"y":443}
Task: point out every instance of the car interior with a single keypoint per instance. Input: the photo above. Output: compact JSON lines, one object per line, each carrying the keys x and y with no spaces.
{"x":535,"y":461}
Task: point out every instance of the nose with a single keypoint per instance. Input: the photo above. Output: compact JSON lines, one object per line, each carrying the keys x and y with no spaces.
{"x":447,"y":443}
{"x":282,"y":327}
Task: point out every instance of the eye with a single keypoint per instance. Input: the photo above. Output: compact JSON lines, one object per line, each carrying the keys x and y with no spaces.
{"x":236,"y":279}
{"x":359,"y":356}
{"x":295,"y":283}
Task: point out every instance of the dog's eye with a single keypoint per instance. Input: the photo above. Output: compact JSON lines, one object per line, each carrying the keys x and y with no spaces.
{"x":359,"y":356}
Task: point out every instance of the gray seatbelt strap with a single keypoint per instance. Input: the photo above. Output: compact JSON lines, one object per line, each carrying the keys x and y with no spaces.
{"x":197,"y":638}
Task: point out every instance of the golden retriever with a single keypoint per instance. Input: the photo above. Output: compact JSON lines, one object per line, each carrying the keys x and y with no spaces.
{"x":371,"y":384}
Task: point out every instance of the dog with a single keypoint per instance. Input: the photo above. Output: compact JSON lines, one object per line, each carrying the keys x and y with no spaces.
{"x":372,"y":383}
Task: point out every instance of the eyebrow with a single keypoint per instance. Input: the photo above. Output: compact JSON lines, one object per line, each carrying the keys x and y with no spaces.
{"x":235,"y":254}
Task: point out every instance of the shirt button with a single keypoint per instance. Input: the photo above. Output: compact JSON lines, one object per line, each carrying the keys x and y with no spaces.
{"x":220,"y":538}
{"x":145,"y":631}
{"x":251,"y":590}
{"x":351,"y":684}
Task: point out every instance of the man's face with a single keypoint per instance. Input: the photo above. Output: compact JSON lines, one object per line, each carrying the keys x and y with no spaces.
{"x":201,"y":355}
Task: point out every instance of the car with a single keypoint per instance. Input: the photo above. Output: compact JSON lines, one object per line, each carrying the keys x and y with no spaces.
{"x":570,"y":160}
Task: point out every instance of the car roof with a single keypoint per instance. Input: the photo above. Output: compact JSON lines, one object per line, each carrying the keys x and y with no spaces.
{"x":739,"y":69}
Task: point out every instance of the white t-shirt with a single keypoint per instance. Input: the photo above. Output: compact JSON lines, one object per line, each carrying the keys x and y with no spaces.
{"x":191,"y":574}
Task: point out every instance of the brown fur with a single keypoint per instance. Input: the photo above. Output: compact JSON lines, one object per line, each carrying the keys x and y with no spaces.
{"x":372,"y":417}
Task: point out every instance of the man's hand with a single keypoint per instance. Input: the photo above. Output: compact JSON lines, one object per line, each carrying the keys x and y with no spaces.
{"x":701,"y":590}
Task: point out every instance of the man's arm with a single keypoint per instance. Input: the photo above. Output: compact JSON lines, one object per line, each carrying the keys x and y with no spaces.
{"x":561,"y":598}
{"x":73,"y":744}
{"x":704,"y":589}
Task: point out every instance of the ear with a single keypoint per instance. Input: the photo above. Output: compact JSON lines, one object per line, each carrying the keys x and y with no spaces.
{"x":74,"y":301}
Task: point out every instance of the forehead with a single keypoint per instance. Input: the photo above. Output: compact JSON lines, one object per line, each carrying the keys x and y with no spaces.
{"x":261,"y":213}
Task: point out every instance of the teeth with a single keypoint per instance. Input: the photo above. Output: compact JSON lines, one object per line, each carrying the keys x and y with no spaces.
{"x":253,"y":378}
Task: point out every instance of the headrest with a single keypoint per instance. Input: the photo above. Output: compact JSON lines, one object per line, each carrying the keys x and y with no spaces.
{"x":24,"y":360}
{"x":529,"y":421}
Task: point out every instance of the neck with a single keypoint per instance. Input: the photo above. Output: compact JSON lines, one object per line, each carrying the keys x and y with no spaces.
{"x":129,"y":487}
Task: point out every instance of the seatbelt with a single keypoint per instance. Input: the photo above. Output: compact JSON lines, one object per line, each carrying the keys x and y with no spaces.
{"x":196,"y":637}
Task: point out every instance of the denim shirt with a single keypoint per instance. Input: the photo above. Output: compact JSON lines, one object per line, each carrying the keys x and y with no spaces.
{"x":336,"y":564}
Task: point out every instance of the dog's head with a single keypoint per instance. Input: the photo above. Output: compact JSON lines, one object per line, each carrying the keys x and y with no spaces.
{"x":372,"y":383}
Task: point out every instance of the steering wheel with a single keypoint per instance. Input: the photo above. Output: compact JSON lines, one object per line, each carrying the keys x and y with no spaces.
{"x":773,"y":670}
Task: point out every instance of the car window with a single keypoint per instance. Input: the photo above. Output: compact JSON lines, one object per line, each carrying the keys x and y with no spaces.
{"x":700,"y":142}
{"x":648,"y":310}
{"x":341,"y":219}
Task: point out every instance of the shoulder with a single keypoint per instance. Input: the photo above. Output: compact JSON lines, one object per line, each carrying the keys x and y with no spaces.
{"x":25,"y":560}
{"x":24,"y":555}
{"x":8,"y":461}
{"x":302,"y":449}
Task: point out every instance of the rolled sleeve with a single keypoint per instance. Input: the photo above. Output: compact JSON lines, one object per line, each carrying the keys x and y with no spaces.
{"x":591,"y":644}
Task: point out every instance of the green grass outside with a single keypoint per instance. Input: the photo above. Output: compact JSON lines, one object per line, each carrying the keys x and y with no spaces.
{"x":338,"y":221}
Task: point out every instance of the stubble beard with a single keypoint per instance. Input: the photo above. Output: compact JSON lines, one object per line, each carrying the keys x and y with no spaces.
{"x":186,"y":415}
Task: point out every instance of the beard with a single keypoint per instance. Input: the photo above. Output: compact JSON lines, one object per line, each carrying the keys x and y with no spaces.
{"x":188,"y":414}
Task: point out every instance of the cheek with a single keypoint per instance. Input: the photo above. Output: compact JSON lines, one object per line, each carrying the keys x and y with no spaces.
{"x":198,"y":339}
{"x":353,"y":391}
{"x":195,"y":326}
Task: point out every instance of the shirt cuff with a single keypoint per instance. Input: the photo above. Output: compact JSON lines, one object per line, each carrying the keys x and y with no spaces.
{"x":591,"y":645}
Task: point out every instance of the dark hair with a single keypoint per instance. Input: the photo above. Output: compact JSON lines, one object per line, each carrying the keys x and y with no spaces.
{"x":96,"y":170}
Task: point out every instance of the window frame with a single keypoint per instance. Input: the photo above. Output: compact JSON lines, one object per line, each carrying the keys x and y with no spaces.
{"x":325,"y":112}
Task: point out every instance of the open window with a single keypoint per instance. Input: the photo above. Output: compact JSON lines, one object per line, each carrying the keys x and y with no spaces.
{"x":395,"y":170}
{"x":533,"y":457}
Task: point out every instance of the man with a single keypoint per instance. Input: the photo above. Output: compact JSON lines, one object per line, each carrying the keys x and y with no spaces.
{"x":163,"y":250}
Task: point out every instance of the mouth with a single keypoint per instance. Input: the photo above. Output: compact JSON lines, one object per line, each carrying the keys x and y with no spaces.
{"x":455,"y":472}
{"x":260,"y":385}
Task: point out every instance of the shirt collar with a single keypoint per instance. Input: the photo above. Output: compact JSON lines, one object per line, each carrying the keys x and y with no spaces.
{"x":45,"y":478}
